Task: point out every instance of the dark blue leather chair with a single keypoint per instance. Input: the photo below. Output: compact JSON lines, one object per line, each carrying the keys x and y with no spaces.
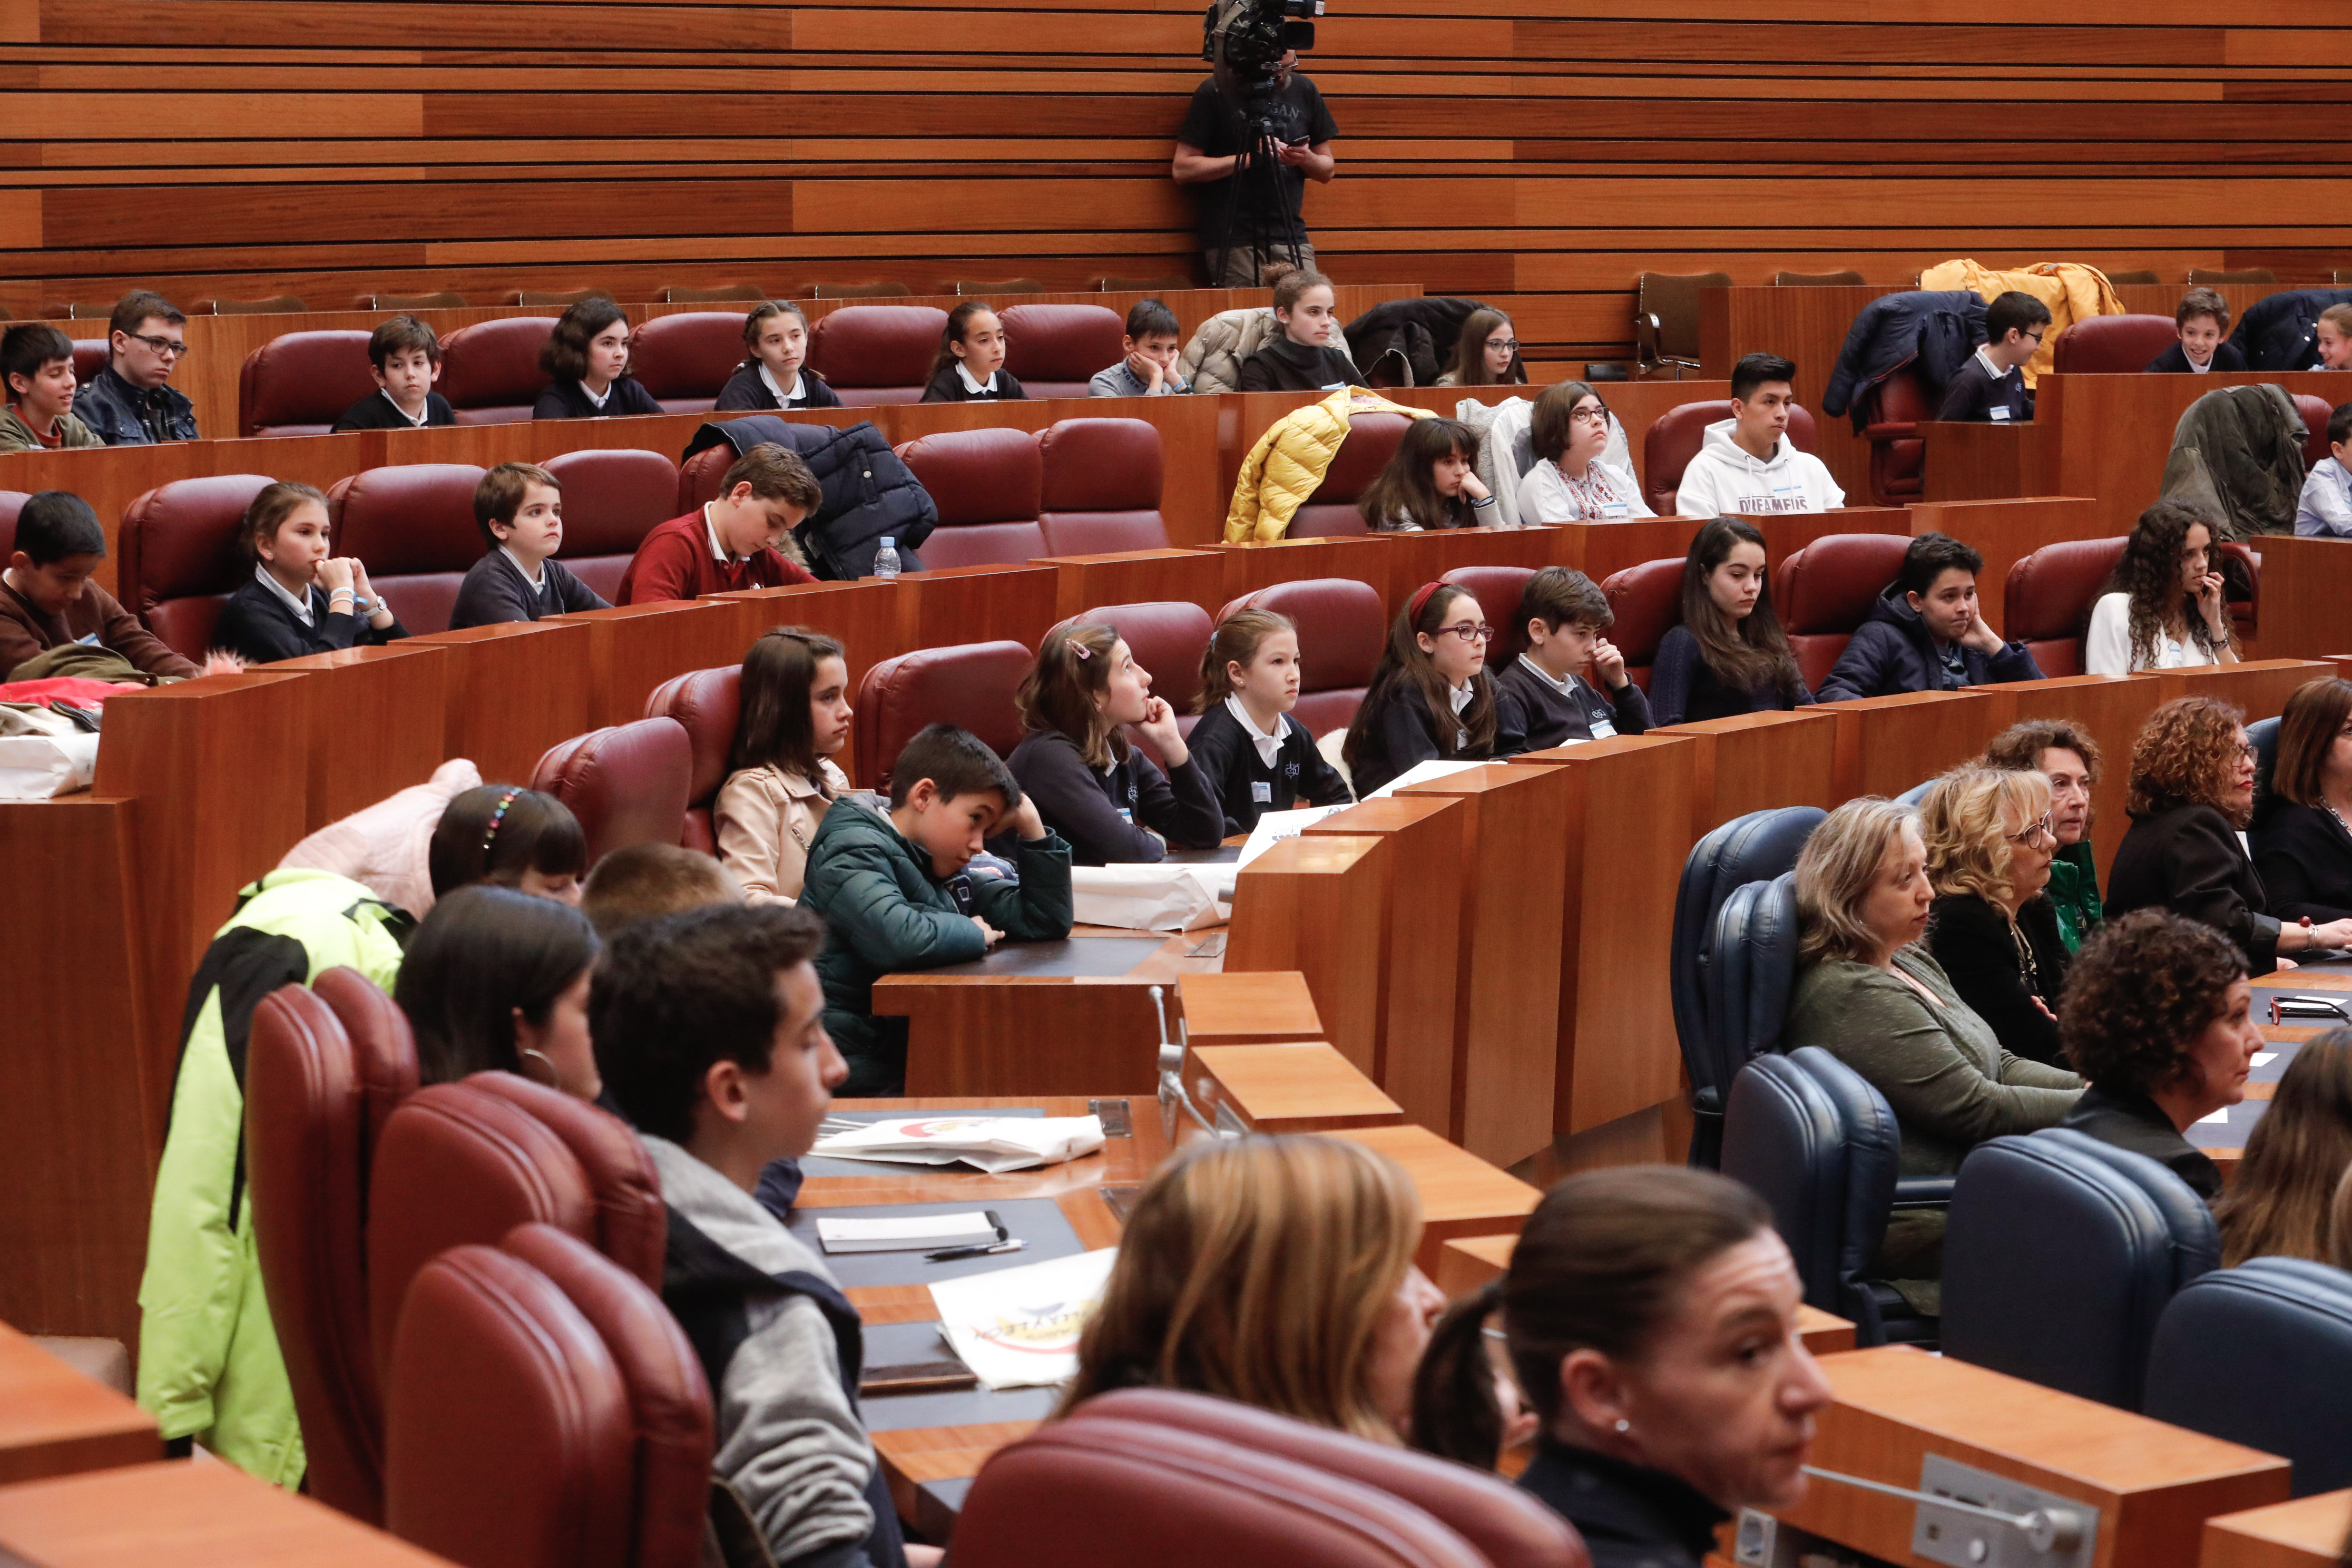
{"x":1916,"y":795}
{"x":2061,"y":1255}
{"x":1751,"y":849}
{"x":2263,"y":733}
{"x":1818,"y":1144}
{"x":2261,"y":1354}
{"x":1752,"y":971}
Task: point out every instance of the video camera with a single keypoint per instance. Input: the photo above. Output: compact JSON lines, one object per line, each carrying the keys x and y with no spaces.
{"x":1243,"y":42}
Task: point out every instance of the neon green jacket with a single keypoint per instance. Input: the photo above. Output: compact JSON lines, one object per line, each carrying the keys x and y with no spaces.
{"x":208,"y":1362}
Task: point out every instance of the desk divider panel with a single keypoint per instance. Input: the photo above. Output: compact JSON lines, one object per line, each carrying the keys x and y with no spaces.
{"x":1752,"y":762}
{"x":1970,"y":462}
{"x":1031,"y":1034}
{"x":632,"y":648}
{"x":2306,"y":590}
{"x":1303,"y":1086}
{"x":1314,"y":905}
{"x":56,"y":1420}
{"x":2308,"y":1532}
{"x":2006,"y":532}
{"x":1461,"y":1194}
{"x":1231,"y":1008}
{"x":377,"y":719}
{"x":1365,"y":557}
{"x":976,"y":604}
{"x":518,"y":689}
{"x":1886,"y":744}
{"x":1137,"y":577}
{"x":2260,"y":687}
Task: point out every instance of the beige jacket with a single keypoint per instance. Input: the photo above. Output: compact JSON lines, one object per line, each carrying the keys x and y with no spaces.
{"x":764,"y":819}
{"x":1211,"y":362}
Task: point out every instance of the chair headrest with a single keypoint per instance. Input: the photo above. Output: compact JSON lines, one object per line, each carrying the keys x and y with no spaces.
{"x":990,"y":475}
{"x":1101,"y":465}
{"x":690,"y":354}
{"x":613,"y":497}
{"x":1061,"y":342}
{"x":1341,"y":621}
{"x":409,"y":518}
{"x":877,"y":345}
{"x":1168,"y":638}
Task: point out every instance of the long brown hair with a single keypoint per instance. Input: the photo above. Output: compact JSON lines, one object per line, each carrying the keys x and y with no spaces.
{"x":1405,"y":488}
{"x":2308,"y":729}
{"x":1258,"y":1269}
{"x":775,"y":730}
{"x":1059,"y":693}
{"x":1469,"y":366}
{"x":2279,"y":1204}
{"x":2148,"y":576}
{"x":1235,"y":641}
{"x":1406,"y":670}
{"x":1749,"y":655}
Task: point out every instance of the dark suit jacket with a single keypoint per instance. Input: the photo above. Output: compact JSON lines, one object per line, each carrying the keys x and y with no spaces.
{"x":257,"y":625}
{"x":2187,"y":860}
{"x":1970,"y":937}
{"x":2173,"y":362}
{"x":2133,"y":1121}
{"x":2304,"y":858}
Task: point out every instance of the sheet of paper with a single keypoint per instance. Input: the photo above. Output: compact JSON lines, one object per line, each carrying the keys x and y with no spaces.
{"x":1277,"y":825}
{"x":994,"y":1143}
{"x":919,"y":1233}
{"x":2264,"y":1058}
{"x":1421,"y":773}
{"x":1018,"y":1328}
{"x":2218,"y":1118}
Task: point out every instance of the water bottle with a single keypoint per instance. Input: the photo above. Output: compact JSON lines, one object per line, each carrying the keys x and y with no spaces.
{"x":886,"y":559}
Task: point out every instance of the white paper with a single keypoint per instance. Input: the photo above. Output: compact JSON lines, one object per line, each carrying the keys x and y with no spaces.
{"x":1421,"y":772}
{"x":2218,"y":1118}
{"x":994,"y":1143}
{"x":41,"y":767}
{"x":1274,"y":826}
{"x":920,"y":1232}
{"x":1167,"y":896}
{"x":1018,"y":1328}
{"x":2264,"y":1058}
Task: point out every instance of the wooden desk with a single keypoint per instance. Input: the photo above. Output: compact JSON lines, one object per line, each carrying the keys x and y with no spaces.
{"x":517,"y":688}
{"x":2260,"y":686}
{"x":1968,"y":461}
{"x":2306,"y":585}
{"x":1753,"y":761}
{"x":2308,"y":1532}
{"x":1137,"y":577}
{"x":185,"y":1514}
{"x":1461,"y":1194}
{"x":1307,"y":1086}
{"x":1313,"y":905}
{"x":1887,"y":744}
{"x":632,"y":648}
{"x":1237,"y":1009}
{"x":55,"y":1421}
{"x":1425,"y":557}
{"x":376,"y":720}
{"x":1466,"y":1263}
{"x":976,"y":604}
{"x":1601,"y":550}
{"x":1365,"y":557}
{"x":2151,"y":1483}
{"x":2004,"y":531}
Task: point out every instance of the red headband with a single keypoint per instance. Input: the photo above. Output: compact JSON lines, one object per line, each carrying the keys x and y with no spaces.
{"x":1419,"y":602}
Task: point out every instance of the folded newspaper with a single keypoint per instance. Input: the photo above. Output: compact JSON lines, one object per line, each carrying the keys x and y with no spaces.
{"x":1018,"y":1328}
{"x":994,"y":1143}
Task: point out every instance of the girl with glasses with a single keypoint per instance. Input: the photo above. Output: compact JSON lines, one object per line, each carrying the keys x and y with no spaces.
{"x":1992,"y":925}
{"x":1570,"y":481}
{"x":1431,"y":698}
{"x":1487,"y":354}
{"x":1430,"y":483}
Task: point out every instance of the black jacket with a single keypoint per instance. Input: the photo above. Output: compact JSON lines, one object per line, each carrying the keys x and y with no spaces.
{"x":377,"y":410}
{"x":257,"y":626}
{"x":1939,"y":329}
{"x":744,"y":389}
{"x":1383,"y":326}
{"x":565,"y":400}
{"x":1532,"y":714}
{"x":1398,"y":735}
{"x":495,"y":591}
{"x":119,"y":415}
{"x":1969,"y":936}
{"x":1893,"y":651}
{"x":1103,"y":815}
{"x":1686,"y":689}
{"x":2174,"y":360}
{"x":1246,"y":787}
{"x":2133,"y":1121}
{"x":1284,"y":366}
{"x":2278,"y":332}
{"x":1631,"y":1516}
{"x":868,"y":491}
{"x":947,"y":386}
{"x":1973,"y":395}
{"x":2187,"y":859}
{"x":2304,"y":858}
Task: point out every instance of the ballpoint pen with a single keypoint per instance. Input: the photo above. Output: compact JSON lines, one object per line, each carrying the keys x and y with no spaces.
{"x":950,"y":1254}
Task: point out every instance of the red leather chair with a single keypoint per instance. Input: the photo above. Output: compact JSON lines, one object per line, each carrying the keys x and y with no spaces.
{"x":468,"y":1162}
{"x":2112,"y":345}
{"x":2314,"y":411}
{"x":684,"y":360}
{"x":177,"y":560}
{"x":969,"y":685}
{"x":1330,"y":512}
{"x":1647,"y":600}
{"x":2047,"y":602}
{"x":877,"y":354}
{"x":11,"y":503}
{"x":1343,"y":627}
{"x":2245,"y":613}
{"x":1498,"y":590}
{"x":317,"y":1096}
{"x":698,"y":478}
{"x":545,"y":1412}
{"x":1891,"y":413}
{"x":1100,"y":487}
{"x":627,"y":784}
{"x":613,"y":497}
{"x":490,"y":371}
{"x":90,"y":356}
{"x":1168,"y":638}
{"x":1826,"y":590}
{"x":707,"y":704}
{"x":300,"y":384}
{"x":987,"y":484}
{"x":1168,"y":1497}
{"x":1675,"y":437}
{"x":1508,"y":1527}
{"x":1053,"y":351}
{"x":413,"y":523}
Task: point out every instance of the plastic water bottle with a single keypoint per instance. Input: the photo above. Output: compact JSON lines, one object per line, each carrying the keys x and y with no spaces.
{"x":886,"y":559}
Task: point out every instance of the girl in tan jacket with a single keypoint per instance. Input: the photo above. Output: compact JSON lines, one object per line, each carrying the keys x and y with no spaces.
{"x":796,"y":717}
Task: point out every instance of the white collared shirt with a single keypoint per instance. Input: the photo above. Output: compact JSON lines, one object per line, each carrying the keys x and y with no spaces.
{"x":299,"y":605}
{"x":2207,"y":367}
{"x":1991,"y":368}
{"x":422,"y":414}
{"x":594,"y":398}
{"x":1268,"y":746}
{"x":1566,"y":688}
{"x":711,"y":529}
{"x":974,"y":386}
{"x":538,"y":584}
{"x":1460,"y":697}
{"x":769,"y":377}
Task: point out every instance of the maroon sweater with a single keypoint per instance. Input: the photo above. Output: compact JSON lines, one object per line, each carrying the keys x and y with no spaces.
{"x":675,"y":563}
{"x":26,"y":633}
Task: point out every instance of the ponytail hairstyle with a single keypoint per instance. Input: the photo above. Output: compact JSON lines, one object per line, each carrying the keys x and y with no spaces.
{"x":1058,"y":695}
{"x":1755,"y":653}
{"x":1406,"y":672}
{"x":1406,"y":491}
{"x":495,"y":833}
{"x":1470,"y":353}
{"x":1291,"y":283}
{"x":1235,"y":641}
{"x":775,"y":730}
{"x":481,"y":954}
{"x":958,"y":323}
{"x":760,"y":315}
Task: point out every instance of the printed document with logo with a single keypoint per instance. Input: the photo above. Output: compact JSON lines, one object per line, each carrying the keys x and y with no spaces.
{"x":994,"y":1143}
{"x":1018,"y":1328}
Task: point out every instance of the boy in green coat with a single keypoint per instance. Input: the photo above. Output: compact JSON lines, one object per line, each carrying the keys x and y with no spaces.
{"x":894,"y":893}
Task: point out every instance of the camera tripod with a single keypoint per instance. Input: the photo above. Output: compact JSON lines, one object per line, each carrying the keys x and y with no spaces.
{"x":1259,"y":214}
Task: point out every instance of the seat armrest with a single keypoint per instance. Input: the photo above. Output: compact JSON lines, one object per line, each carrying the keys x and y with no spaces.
{"x":1898,"y":430}
{"x":1922,"y":1192}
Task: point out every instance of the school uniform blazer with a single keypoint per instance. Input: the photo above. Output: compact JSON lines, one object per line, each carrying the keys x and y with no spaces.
{"x":1974,"y":394}
{"x":260,"y":628}
{"x":2187,"y":860}
{"x":2174,"y":360}
{"x":1532,"y":714}
{"x":565,"y":400}
{"x":1246,"y":786}
{"x":1399,"y":736}
{"x":1103,"y":815}
{"x":377,"y":410}
{"x":1970,"y":937}
{"x":947,"y":386}
{"x":744,"y":389}
{"x":495,"y":590}
{"x":2134,"y":1121}
{"x":2304,"y":858}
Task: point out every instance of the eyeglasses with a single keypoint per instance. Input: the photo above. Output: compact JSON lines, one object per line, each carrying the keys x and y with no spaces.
{"x":171,"y":346}
{"x":2035,"y":336}
{"x":1596,"y":414}
{"x":1469,"y":633}
{"x":1508,"y":345}
{"x":2247,"y":753}
{"x":2034,"y":834}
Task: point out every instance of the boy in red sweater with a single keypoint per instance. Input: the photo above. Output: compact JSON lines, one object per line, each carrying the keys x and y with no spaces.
{"x":732,"y":543}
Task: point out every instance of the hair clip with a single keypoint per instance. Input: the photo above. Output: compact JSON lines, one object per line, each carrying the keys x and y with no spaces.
{"x":497,"y":817}
{"x":1078,"y":649}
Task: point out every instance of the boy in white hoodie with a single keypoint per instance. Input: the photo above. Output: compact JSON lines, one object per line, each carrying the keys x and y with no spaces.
{"x":1748,"y":466}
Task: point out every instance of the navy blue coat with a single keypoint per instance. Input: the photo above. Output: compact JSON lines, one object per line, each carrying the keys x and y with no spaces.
{"x":868,"y":491}
{"x":2280,"y":332}
{"x":1893,"y":651}
{"x":1939,"y":328}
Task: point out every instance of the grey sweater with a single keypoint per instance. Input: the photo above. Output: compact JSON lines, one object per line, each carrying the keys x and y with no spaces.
{"x":1940,"y":1066}
{"x":788,"y":1439}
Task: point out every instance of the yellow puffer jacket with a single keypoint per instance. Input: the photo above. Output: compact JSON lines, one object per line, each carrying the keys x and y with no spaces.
{"x":1287,"y":464}
{"x":2071,"y":290}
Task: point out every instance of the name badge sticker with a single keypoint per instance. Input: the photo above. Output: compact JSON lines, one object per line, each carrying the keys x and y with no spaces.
{"x":1603,"y":729}
{"x":2001,"y":413}
{"x":1260,"y":791}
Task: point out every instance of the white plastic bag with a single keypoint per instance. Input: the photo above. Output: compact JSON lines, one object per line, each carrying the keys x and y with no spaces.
{"x":1170,"y":896}
{"x":42,"y":768}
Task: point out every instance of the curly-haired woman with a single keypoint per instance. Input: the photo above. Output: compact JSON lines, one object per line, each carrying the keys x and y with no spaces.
{"x":1992,"y":927}
{"x":2192,"y":789}
{"x":2157,"y":1017}
{"x":2168,"y":611}
{"x":2279,"y":1204}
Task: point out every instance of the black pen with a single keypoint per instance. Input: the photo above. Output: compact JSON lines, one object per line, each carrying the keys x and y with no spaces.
{"x":950,"y":1254}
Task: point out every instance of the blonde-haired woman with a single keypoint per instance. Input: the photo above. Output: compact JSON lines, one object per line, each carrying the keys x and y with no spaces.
{"x":1881,"y":1004}
{"x":1991,"y":927}
{"x":1274,"y":1271}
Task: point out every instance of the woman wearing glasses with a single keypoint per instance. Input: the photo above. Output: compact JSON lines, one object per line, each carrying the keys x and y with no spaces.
{"x":2192,"y":791}
{"x":1431,"y":698}
{"x":1569,"y":483}
{"x":1992,"y":926}
{"x":2302,"y":846}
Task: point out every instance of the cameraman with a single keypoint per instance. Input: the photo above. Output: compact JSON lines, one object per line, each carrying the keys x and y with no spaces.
{"x":1250,"y":221}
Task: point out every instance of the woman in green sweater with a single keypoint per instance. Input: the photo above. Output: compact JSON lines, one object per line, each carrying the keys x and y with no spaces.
{"x":2065,"y":752}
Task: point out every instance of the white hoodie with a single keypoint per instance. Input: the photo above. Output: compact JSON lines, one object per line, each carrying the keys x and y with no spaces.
{"x":1725,"y":480}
